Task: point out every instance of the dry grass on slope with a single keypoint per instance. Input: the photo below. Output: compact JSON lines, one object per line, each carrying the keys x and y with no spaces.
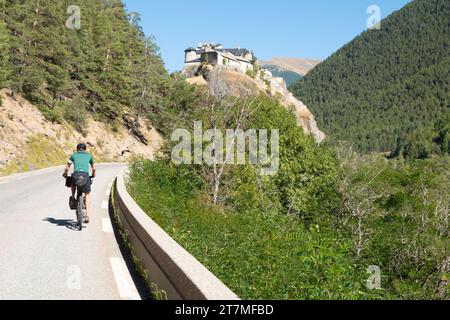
{"x":30,"y":142}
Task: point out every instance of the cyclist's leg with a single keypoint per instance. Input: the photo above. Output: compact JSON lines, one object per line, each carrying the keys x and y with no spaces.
{"x":87,"y":193}
{"x":73,"y":199}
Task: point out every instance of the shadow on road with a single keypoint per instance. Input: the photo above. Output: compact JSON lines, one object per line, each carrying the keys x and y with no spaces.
{"x":69,"y":224}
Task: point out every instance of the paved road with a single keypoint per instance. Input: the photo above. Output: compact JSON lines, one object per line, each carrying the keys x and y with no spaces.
{"x":43,"y":257}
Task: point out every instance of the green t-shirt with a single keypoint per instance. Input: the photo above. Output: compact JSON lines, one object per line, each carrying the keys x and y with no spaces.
{"x":81,"y":161}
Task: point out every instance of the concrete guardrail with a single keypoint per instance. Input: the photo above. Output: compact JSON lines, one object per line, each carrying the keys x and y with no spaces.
{"x":169,"y":265}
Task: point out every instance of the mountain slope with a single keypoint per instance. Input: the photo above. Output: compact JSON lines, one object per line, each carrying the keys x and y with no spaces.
{"x":385,"y":83}
{"x":29,"y":142}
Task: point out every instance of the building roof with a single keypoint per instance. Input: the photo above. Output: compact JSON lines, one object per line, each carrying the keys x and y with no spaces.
{"x":236,"y":51}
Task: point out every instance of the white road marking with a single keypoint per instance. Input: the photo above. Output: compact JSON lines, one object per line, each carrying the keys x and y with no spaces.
{"x":108,"y":192}
{"x":104,"y":204}
{"x":127,"y":289}
{"x":107,"y":226}
{"x":110,"y":185}
{"x":2,"y":182}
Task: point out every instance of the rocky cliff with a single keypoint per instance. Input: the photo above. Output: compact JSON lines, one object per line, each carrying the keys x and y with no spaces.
{"x":262,"y":80}
{"x":277,"y":87}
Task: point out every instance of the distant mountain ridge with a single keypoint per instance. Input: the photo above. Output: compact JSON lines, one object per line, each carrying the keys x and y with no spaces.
{"x":297,"y":65}
{"x":289,"y":77}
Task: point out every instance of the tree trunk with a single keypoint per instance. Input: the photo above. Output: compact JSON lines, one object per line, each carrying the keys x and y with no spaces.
{"x":108,"y":56}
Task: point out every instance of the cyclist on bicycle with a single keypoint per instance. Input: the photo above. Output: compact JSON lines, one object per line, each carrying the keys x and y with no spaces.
{"x":81,"y":161}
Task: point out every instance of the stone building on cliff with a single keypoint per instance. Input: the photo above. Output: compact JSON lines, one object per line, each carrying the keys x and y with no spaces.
{"x":236,"y":59}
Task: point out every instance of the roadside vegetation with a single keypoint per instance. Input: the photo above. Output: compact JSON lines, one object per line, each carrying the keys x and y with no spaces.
{"x":246,"y":237}
{"x":397,"y":221}
{"x":313,"y":230}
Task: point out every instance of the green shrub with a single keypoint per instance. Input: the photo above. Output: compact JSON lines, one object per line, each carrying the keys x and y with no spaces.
{"x":397,"y":213}
{"x":54,"y":115}
{"x":307,"y":177}
{"x":251,"y":73}
{"x":75,"y":114}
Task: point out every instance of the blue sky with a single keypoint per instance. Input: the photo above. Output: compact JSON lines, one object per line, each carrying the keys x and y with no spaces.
{"x":281,"y":28}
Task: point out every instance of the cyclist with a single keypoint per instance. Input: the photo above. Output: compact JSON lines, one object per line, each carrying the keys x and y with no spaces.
{"x":81,"y":160}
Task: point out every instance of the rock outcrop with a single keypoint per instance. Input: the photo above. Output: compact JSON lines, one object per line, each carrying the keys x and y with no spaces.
{"x":239,"y":84}
{"x":277,"y":87}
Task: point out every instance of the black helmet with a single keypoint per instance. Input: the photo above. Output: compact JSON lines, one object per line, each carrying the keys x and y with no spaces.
{"x":82,"y":147}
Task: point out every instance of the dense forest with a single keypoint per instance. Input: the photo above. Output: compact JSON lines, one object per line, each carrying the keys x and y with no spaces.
{"x":388,"y":88}
{"x":105,"y":67}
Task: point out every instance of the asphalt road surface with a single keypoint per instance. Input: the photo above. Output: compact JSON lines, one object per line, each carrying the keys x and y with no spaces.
{"x":42,"y":254}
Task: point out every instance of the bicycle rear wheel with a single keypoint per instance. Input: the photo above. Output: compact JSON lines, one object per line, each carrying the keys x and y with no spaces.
{"x":80,"y":211}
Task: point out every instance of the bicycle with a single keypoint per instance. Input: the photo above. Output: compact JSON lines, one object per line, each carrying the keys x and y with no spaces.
{"x":80,"y":207}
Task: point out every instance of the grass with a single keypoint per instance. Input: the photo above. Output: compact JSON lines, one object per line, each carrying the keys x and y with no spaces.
{"x":39,"y":152}
{"x":152,"y":289}
{"x":42,"y":152}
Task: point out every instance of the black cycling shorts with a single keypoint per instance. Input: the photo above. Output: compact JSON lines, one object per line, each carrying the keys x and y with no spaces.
{"x":82,"y":181}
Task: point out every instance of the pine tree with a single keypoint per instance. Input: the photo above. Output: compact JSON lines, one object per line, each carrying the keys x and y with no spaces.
{"x":4,"y":47}
{"x":15,"y":14}
{"x":47,"y":45}
{"x":107,"y":68}
{"x":385,"y":83}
